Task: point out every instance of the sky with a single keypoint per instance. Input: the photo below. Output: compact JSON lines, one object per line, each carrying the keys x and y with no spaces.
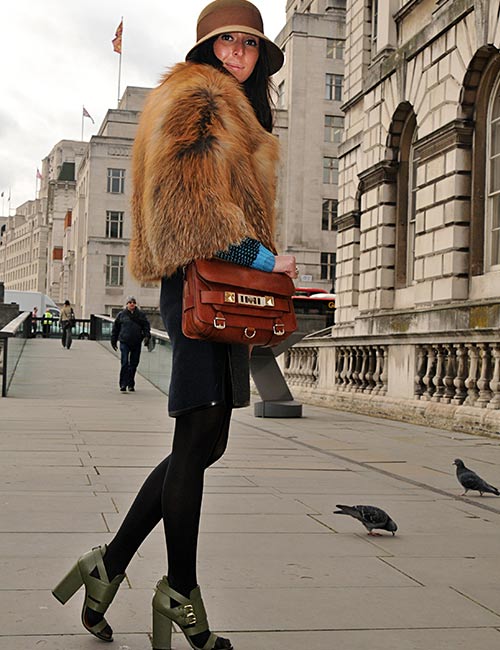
{"x":56,"y":56}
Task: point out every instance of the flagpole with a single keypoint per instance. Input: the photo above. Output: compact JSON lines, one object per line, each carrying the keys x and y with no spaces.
{"x":119,"y":68}
{"x":82,"y":123}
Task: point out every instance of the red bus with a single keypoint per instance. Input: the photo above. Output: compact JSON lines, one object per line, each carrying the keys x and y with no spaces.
{"x":315,"y":308}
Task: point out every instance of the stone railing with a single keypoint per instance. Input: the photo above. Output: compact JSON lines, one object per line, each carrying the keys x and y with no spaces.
{"x":361,"y":369}
{"x":459,"y":373}
{"x":456,"y":373}
{"x":301,"y":366}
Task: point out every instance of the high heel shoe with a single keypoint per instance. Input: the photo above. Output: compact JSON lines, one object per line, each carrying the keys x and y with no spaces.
{"x":99,"y":592}
{"x":190,"y":616}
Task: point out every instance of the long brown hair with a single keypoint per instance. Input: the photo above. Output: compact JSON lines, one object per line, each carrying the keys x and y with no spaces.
{"x":257,"y":87}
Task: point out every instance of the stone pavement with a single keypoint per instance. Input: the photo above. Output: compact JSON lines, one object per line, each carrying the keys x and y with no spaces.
{"x":278,"y":570}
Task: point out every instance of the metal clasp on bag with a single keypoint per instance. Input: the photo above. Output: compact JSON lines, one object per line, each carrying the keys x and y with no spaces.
{"x":219,"y":323}
{"x":250,"y":332}
{"x":279,"y":329}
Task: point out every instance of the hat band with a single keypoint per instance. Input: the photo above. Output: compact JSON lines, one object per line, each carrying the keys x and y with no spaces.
{"x":244,"y":16}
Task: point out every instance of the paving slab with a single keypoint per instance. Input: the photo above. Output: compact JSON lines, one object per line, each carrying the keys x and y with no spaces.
{"x":278,"y":569}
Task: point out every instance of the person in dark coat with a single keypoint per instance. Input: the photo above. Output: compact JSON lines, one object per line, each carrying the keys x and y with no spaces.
{"x":204,"y":182}
{"x":130,"y":328}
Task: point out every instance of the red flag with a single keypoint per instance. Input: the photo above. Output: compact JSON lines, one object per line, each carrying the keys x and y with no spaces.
{"x":87,"y":114}
{"x":117,"y":41}
{"x":38,"y":175}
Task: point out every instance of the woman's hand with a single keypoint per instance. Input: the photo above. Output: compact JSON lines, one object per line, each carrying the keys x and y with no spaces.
{"x":286,"y":264}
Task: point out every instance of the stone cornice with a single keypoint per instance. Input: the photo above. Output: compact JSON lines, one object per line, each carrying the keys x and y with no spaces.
{"x":381,"y":173}
{"x":457,"y":134}
{"x":347,"y":220}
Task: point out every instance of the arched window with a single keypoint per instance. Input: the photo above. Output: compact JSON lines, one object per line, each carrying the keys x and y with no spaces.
{"x":406,"y":204}
{"x":492,"y":194}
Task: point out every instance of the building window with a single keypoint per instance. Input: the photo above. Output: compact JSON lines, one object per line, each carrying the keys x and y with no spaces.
{"x":333,"y":86}
{"x":114,"y":270}
{"x":116,"y":181}
{"x":412,"y":216}
{"x":406,"y":203}
{"x":281,"y":95}
{"x":373,"y":20}
{"x":114,"y":224}
{"x":328,"y":261}
{"x":329,"y":214}
{"x":335,"y":48}
{"x":330,"y":170}
{"x":493,"y":182}
{"x":334,"y":126}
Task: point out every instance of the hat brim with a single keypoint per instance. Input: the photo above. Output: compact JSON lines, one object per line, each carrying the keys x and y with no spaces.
{"x":275,"y":55}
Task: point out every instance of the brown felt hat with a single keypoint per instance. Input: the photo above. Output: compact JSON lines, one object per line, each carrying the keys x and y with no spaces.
{"x":224,"y":16}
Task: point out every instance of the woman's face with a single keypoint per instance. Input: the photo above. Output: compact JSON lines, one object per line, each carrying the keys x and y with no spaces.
{"x":238,"y":53}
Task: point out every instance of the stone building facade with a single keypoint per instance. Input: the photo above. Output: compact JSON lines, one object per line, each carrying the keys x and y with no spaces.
{"x":418,"y":248}
{"x":31,"y":242}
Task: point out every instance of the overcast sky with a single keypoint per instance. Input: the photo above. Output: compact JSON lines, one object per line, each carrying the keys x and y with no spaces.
{"x":56,"y":56}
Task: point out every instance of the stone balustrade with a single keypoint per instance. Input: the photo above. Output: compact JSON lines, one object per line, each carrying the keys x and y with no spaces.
{"x":459,"y":373}
{"x":456,"y":373}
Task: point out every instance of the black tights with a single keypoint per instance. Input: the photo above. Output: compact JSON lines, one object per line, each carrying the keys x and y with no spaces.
{"x":173,"y":492}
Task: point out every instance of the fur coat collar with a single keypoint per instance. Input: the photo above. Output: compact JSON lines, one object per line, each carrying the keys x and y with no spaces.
{"x":204,"y":172}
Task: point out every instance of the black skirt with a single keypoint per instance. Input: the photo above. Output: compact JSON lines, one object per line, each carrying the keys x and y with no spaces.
{"x":203,"y":373}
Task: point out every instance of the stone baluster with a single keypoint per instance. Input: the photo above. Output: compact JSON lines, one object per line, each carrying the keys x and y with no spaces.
{"x":421,"y":364}
{"x":450,"y":371}
{"x":315,"y":371}
{"x":460,"y":374}
{"x":339,"y":362}
{"x":471,"y":381}
{"x":352,"y":361}
{"x":437,"y":380}
{"x":378,"y":371}
{"x":483,"y":383}
{"x":495,"y":380}
{"x":370,"y":369}
{"x":356,"y":368}
{"x":429,"y":373}
{"x":384,"y":374}
{"x":365,"y":385}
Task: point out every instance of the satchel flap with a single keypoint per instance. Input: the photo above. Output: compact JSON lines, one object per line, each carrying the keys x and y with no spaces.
{"x":221,"y":272}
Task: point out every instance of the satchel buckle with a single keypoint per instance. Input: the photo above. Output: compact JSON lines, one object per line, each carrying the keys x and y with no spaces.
{"x":219,"y":323}
{"x":250,"y":332}
{"x":278,"y":329}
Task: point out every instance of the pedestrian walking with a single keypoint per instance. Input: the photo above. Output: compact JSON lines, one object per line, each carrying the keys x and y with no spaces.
{"x":130,"y":328}
{"x":204,"y":186}
{"x":67,"y":322}
{"x":34,"y":322}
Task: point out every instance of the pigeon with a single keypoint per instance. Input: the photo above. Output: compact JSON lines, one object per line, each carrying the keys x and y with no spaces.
{"x":370,"y":516}
{"x":471,"y":481}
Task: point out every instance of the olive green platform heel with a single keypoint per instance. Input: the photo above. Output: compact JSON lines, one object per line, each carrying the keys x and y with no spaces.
{"x":190,"y":616}
{"x":99,"y":592}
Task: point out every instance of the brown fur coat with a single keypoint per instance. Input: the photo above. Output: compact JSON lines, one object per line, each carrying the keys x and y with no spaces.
{"x":204,"y":172}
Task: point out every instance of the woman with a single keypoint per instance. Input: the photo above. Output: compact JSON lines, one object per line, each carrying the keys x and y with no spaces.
{"x":204,"y":186}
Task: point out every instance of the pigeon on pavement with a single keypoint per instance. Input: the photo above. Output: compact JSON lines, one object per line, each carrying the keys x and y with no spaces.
{"x":471,"y":481}
{"x":370,"y":516}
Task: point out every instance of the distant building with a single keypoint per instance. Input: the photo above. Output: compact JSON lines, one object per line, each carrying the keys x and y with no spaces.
{"x":31,"y":242}
{"x":98,"y":228}
{"x":310,"y":125}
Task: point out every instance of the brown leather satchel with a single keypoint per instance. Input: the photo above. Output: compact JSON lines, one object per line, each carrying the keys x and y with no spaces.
{"x":229,"y":303}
